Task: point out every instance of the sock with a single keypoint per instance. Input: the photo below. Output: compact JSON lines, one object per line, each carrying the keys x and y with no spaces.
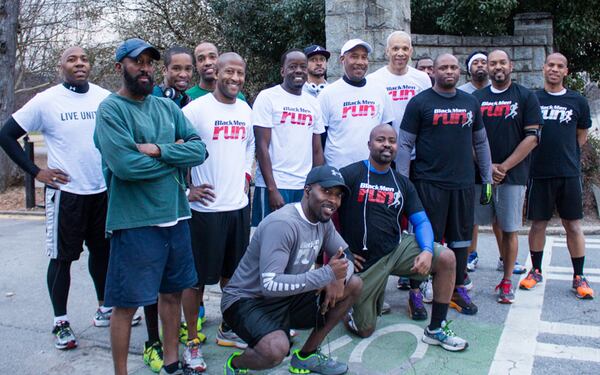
{"x":414,"y":284}
{"x":170,"y":369}
{"x":104,"y":309}
{"x":536,"y":259}
{"x":578,"y":266}
{"x":302,"y":354}
{"x":57,"y":319}
{"x":461,"y":264}
{"x":438,"y":315}
{"x":151,"y":314}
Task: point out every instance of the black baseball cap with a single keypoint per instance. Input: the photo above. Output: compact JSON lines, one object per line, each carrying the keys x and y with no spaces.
{"x":316,"y":50}
{"x":327,"y":177}
{"x":133,"y":48}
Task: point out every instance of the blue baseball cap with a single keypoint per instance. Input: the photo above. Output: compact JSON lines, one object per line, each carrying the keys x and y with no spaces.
{"x":133,"y":48}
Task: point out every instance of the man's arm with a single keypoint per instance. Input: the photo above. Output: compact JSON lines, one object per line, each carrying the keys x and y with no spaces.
{"x":189,"y":153}
{"x":582,"y":136}
{"x":406,"y":143}
{"x":521,"y":151}
{"x":317,"y":151}
{"x":263,"y":140}
{"x":483,"y":155}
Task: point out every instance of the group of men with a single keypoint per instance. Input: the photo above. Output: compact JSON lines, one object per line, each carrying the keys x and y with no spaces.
{"x":165,"y":171}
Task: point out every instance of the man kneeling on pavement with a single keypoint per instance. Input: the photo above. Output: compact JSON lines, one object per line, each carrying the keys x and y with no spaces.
{"x":370,"y":224}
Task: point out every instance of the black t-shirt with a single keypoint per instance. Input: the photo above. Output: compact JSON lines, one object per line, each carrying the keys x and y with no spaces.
{"x":558,"y":153}
{"x":387,"y":198}
{"x":505,"y":116}
{"x":444,"y":128}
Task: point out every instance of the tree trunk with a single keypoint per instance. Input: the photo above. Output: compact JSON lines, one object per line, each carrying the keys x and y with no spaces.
{"x":9,"y":12}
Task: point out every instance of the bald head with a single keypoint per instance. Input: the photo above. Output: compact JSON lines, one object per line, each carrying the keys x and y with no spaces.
{"x":555,"y":70}
{"x":444,"y":58}
{"x":499,"y":69}
{"x":206,"y":46}
{"x":71,"y":51}
{"x":228,"y":58}
{"x":383,"y":145}
{"x":398,"y":51}
{"x":230,"y":77}
{"x":381,"y":129}
{"x":75,"y":66}
{"x":206,"y":55}
{"x":557,"y":56}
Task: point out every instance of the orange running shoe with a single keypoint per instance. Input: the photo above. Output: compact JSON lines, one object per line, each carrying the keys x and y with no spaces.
{"x":534,"y":277}
{"x":581,"y":288}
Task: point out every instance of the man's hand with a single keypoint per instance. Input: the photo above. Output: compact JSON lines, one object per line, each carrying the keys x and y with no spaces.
{"x":422,"y":263}
{"x":333,"y":292}
{"x":486,"y":194}
{"x":498,"y":173}
{"x":275,"y":200}
{"x":339,"y":264}
{"x":358,"y":262}
{"x":204,"y":194}
{"x":52,"y":177}
{"x":149,"y":149}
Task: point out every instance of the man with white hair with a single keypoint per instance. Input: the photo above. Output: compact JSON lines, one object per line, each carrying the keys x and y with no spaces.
{"x":352,"y":106}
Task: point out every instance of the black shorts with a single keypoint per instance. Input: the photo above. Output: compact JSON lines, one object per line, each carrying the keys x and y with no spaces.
{"x":254,"y":318}
{"x":72,"y":220}
{"x":564,"y":193}
{"x":219,"y":240}
{"x":451,"y":213}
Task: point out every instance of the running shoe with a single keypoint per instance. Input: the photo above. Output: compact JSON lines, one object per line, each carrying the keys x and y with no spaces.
{"x":385,"y":308}
{"x":582,"y":288}
{"x":404,"y":283}
{"x":316,"y":362}
{"x":462,"y":302}
{"x":183,"y":332}
{"x":427,"y":290}
{"x":229,"y":338}
{"x":518,"y":270}
{"x":349,"y":323}
{"x":228,"y":368}
{"x":192,"y":356}
{"x":153,"y":355}
{"x":444,"y":337}
{"x":102,"y":319}
{"x":468,"y":283}
{"x":64,"y":336}
{"x":416,"y":309}
{"x":472,"y":261}
{"x":505,"y":292}
{"x":533,"y":278}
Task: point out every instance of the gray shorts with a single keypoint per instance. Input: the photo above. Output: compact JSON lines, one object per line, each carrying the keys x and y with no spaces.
{"x":506,"y":207}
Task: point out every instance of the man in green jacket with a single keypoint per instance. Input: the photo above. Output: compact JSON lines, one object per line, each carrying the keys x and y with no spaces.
{"x":146,"y":144}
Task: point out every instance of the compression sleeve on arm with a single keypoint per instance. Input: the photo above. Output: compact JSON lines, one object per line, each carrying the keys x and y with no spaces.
{"x":423,"y":230}
{"x":483,"y":155}
{"x":406,"y":142}
{"x":9,"y":135}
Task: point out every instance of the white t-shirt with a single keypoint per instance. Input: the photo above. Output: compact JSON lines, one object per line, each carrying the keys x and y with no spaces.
{"x":293,"y":120}
{"x":227,"y":133}
{"x":350,"y":113}
{"x":68,"y":120}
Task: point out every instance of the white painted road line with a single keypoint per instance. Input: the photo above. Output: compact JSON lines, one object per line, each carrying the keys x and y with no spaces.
{"x":517,"y":347}
{"x":569,"y":277}
{"x":339,"y":342}
{"x":587,"y":246}
{"x":569,"y":329}
{"x":587,"y":240}
{"x":569,"y":270}
{"x":415,"y":330}
{"x":578,"y":353}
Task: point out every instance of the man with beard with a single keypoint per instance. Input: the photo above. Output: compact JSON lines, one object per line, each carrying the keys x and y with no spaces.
{"x":445,"y":125}
{"x":275,"y":287}
{"x":476,"y":69}
{"x":287,"y":126}
{"x":146,"y":145}
{"x":220,"y":224}
{"x":512,"y":117}
{"x":75,"y":188}
{"x":370,"y":224}
{"x":556,"y":173}
{"x":317,"y":69}
{"x":425,"y":64}
{"x":352,"y":106}
{"x":206,"y":55}
{"x":402,"y":83}
{"x":177,"y":71}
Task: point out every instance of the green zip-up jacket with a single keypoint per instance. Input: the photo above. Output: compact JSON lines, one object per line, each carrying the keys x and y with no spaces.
{"x":142,"y":190}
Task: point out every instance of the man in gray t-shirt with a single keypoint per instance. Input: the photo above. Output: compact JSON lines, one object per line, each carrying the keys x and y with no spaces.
{"x":275,"y":288}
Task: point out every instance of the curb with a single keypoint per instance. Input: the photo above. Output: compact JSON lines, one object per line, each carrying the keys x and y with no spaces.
{"x":551,"y":230}
{"x":22,"y":213}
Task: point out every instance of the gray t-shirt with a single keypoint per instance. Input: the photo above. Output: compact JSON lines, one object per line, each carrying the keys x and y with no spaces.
{"x":469,"y":88}
{"x":279,"y":258}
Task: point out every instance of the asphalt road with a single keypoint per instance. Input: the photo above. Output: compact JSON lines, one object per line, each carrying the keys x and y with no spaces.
{"x":546,"y":331}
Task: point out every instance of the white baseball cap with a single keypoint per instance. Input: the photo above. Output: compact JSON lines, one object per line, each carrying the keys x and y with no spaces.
{"x":352,"y":43}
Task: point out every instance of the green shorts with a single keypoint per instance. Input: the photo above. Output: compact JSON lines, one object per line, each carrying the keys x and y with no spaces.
{"x":398,"y":263}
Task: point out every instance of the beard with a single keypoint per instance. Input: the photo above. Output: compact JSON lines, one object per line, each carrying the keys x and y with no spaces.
{"x":480,"y":76}
{"x":135,"y":87}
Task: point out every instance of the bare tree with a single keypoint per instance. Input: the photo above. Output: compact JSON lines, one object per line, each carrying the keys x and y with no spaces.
{"x":9,"y":11}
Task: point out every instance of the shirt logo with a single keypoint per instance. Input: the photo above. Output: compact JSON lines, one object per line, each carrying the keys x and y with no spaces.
{"x":402,"y":93}
{"x":306,"y":252}
{"x":336,"y":173}
{"x":296,"y":116}
{"x":380,"y":194}
{"x":557,"y":112}
{"x":359,"y":108}
{"x":454,"y":116}
{"x":229,"y":129}
{"x":501,"y":108}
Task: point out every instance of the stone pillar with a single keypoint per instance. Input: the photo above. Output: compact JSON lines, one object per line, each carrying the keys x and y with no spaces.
{"x":370,"y":20}
{"x":534,"y":26}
